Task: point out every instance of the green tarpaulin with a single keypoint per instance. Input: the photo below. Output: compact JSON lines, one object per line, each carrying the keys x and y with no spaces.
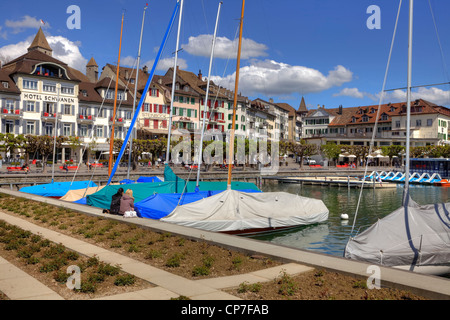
{"x":172,"y":184}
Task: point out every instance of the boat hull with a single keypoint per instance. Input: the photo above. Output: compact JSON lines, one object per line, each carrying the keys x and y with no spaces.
{"x":433,"y":270}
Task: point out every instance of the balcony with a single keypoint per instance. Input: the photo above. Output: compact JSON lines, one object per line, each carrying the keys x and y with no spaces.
{"x":118,"y":122}
{"x":85,"y":119}
{"x":11,"y":113}
{"x":47,"y":116}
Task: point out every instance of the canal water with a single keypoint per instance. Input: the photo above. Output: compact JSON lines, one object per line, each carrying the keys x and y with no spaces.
{"x":332,"y":236}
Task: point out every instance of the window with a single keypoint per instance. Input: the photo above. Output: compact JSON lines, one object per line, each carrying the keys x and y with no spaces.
{"x":384,"y":117}
{"x":83,"y":131}
{"x":66,"y":129}
{"x":429,"y":122}
{"x":99,"y":132}
{"x":67,"y":109}
{"x":48,"y":108}
{"x":418,"y":123}
{"x":365,"y":118}
{"x":5,"y":84}
{"x":397,"y":124}
{"x":30,"y":106}
{"x":9,"y":126}
{"x":146,"y":107}
{"x":30,"y":127}
{"x":67,"y":90}
{"x":48,"y":129}
{"x":154,"y":92}
{"x":30,"y":84}
{"x":49,"y":87}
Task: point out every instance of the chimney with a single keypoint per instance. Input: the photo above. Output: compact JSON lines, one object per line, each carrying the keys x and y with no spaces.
{"x":340,"y":109}
{"x":271,"y":100}
{"x":126,"y":74}
{"x":145,"y":69}
{"x":200,"y":76}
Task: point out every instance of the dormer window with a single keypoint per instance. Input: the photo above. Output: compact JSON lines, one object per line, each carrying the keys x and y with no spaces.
{"x":53,"y":70}
{"x":365,"y":118}
{"x":186,"y":88}
{"x":392,"y":109}
{"x":5,"y":84}
{"x":384,"y":117}
{"x":373,"y":110}
{"x":353,"y":119}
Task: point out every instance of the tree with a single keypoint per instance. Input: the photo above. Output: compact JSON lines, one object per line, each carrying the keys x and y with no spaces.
{"x":45,"y":145}
{"x":392,"y":151}
{"x":304,"y":150}
{"x":331,"y":151}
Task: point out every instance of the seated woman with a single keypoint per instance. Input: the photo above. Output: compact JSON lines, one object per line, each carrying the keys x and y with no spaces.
{"x":127,"y":204}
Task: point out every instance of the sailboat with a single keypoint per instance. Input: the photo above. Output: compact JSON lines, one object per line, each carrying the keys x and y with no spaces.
{"x":414,"y":237}
{"x":239,"y":212}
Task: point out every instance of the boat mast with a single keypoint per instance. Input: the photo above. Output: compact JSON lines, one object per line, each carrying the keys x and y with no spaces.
{"x":205,"y":102}
{"x":173,"y":83}
{"x":236,"y":87}
{"x":133,"y":135}
{"x":54,"y":139}
{"x":111,"y":142}
{"x":408,"y":106}
{"x":146,"y":88}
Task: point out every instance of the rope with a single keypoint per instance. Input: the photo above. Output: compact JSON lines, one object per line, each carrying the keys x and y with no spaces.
{"x":378,"y":114}
{"x":445,"y":69}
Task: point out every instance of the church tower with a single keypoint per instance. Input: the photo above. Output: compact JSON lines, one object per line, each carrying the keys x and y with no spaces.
{"x":40,"y":43}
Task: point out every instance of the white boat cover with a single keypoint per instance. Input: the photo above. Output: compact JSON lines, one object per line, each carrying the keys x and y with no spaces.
{"x":413,"y":235}
{"x":233,"y":210}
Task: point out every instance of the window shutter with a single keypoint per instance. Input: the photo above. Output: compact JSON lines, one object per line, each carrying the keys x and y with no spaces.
{"x":189,"y":113}
{"x":37,"y":127}
{"x":157,"y":93}
{"x":146,"y":122}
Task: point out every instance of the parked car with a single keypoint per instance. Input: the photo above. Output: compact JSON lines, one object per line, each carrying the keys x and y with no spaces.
{"x":309,"y":161}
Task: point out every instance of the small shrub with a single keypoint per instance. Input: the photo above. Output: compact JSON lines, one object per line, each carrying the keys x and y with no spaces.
{"x":61,"y":276}
{"x":174,"y":261}
{"x":153,"y":254}
{"x":208,"y":261}
{"x":200,"y":271}
{"x":87,"y":287}
{"x":125,"y":280}
{"x":108,"y":269}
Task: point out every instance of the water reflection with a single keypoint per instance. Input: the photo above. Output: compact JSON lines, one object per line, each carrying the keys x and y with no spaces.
{"x":332,"y":236}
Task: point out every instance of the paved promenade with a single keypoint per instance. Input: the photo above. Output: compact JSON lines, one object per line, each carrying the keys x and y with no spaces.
{"x":170,"y":286}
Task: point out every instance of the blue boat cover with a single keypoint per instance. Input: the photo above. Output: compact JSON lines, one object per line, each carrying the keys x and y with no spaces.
{"x":57,"y":189}
{"x":149,"y":179}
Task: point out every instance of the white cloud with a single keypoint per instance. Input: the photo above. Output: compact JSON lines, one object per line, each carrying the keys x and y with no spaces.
{"x":224,"y":47}
{"x":434,"y":95}
{"x":166,"y":63}
{"x":63,"y":49}
{"x":351,"y":92}
{"x":269,"y":77}
{"x":128,"y":61}
{"x":27,"y":22}
{"x":68,"y":52}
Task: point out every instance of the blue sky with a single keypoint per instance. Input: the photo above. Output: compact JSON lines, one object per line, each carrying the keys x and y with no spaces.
{"x":322,"y":50}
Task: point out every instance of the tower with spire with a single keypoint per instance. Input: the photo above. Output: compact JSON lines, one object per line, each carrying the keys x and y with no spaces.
{"x":92,"y":70}
{"x":40,"y":43}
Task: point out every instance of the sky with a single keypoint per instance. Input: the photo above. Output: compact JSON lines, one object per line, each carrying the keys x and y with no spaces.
{"x":330,"y":52}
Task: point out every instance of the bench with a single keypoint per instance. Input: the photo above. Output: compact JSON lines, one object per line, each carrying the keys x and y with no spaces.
{"x":15,"y":169}
{"x":99,"y":165}
{"x":70,"y":167}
